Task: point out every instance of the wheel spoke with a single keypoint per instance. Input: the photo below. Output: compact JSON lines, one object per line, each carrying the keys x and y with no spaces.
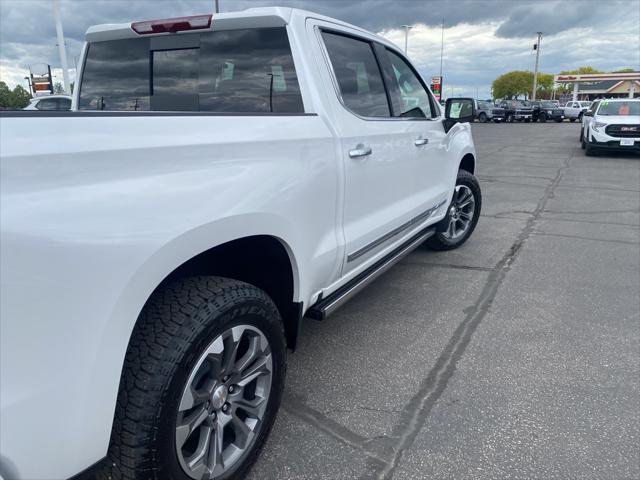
{"x":465,"y":215}
{"x":197,"y":462}
{"x":254,"y":407}
{"x":190,"y":424}
{"x":452,"y":227}
{"x":250,"y":356}
{"x":215,"y":448}
{"x":241,"y":430}
{"x":232,"y":343}
{"x":259,"y":367}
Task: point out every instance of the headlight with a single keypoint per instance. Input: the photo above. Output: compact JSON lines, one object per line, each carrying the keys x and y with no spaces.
{"x":598,"y":125}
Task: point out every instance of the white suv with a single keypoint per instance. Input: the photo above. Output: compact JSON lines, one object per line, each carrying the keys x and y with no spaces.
{"x":612,"y":124}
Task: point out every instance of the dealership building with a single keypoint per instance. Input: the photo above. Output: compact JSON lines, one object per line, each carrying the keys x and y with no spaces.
{"x":602,"y":85}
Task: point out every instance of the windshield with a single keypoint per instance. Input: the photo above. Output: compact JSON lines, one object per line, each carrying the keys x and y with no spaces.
{"x":619,"y":108}
{"x":548,"y":104}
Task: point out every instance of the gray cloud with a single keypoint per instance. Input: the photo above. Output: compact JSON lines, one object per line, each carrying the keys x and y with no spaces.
{"x":27,"y":33}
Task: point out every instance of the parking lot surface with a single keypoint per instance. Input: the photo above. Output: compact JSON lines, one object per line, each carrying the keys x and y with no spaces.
{"x":516,"y":356}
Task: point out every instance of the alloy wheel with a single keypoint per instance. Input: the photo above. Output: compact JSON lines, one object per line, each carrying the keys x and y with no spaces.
{"x":461,"y":210}
{"x":223,"y":403}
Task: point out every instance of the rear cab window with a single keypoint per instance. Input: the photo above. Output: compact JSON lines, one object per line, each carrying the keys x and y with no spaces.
{"x":245,"y":70}
{"x":358,"y":75}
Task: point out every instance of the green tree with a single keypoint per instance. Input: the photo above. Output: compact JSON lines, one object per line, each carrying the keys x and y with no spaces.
{"x":512,"y":84}
{"x":625,"y":70}
{"x":58,"y":89}
{"x":520,"y":83}
{"x":581,"y":71}
{"x":19,"y":97}
{"x":5,"y":95}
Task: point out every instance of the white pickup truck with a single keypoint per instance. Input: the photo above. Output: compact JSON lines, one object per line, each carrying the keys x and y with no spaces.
{"x":217,"y":180}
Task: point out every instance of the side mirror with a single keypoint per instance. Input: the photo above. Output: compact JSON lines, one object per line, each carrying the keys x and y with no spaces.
{"x":588,"y":113}
{"x":458,"y":110}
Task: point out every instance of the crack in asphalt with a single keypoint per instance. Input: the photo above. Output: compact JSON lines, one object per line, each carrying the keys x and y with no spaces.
{"x":297,"y":407}
{"x":444,"y":265}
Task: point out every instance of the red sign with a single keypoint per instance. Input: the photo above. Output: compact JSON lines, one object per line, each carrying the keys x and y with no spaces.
{"x":436,"y":87}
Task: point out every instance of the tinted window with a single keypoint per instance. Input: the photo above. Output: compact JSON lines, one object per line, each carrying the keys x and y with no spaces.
{"x":247,"y":70}
{"x":413,"y":98}
{"x":358,"y":75}
{"x":64,"y":104}
{"x":48,"y":104}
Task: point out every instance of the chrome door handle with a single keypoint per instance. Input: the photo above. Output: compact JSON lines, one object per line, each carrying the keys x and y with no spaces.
{"x":360,"y":151}
{"x":420,"y":141}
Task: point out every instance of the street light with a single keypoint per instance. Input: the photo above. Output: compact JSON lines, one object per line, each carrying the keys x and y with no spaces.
{"x":406,"y":36}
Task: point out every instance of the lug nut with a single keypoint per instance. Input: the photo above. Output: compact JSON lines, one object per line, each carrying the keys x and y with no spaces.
{"x":231,"y":389}
{"x":225,"y":407}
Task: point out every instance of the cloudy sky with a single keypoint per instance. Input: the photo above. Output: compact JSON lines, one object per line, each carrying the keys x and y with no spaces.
{"x":482,"y":38}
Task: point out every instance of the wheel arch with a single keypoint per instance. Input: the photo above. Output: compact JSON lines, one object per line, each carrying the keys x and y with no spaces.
{"x":468,"y":163}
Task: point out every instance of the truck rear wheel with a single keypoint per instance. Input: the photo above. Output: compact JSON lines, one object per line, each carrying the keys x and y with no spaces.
{"x":201,"y":385}
{"x":462,"y":215}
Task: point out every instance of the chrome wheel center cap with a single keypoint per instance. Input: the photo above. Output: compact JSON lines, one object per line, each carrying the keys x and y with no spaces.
{"x":452,"y":211}
{"x":219,"y":397}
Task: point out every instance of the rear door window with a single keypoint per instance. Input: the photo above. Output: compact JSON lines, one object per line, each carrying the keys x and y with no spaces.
{"x":246,"y":70}
{"x":359,"y":79}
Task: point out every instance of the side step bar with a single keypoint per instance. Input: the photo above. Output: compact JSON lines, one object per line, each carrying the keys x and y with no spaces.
{"x":326,"y":306}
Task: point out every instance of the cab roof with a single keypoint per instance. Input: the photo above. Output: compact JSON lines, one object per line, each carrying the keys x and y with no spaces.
{"x":249,"y":18}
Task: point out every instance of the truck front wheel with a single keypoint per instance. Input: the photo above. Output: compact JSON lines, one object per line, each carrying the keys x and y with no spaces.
{"x":201,"y":385}
{"x":462,"y":215}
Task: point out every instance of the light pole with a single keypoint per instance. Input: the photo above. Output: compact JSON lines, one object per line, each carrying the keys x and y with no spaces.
{"x":217,"y":6}
{"x":535,"y":72}
{"x":406,"y":36}
{"x":61,"y":46}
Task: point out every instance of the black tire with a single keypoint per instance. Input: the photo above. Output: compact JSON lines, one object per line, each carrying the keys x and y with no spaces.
{"x":439,"y":241}
{"x":542,"y":118}
{"x":558,"y":120}
{"x":572,"y":120}
{"x":580,"y":117}
{"x":509,"y":118}
{"x":589,"y":151}
{"x":177,"y":325}
{"x":482,"y":118}
{"x":527,"y":120}
{"x":581,"y":139}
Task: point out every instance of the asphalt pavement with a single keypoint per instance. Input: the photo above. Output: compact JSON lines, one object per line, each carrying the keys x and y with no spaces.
{"x":516,"y":356}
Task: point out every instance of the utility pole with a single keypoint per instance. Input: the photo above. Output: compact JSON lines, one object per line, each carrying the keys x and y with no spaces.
{"x":217,"y":5}
{"x":406,"y":36}
{"x":441,"y":49}
{"x":535,"y":72}
{"x":62,"y":51}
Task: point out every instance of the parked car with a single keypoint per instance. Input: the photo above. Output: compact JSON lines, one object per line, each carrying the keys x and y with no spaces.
{"x":575,"y":110}
{"x":544,"y":110}
{"x":50,"y":102}
{"x":162,"y":242}
{"x":512,"y":110}
{"x":484,"y":110}
{"x":612,"y":124}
